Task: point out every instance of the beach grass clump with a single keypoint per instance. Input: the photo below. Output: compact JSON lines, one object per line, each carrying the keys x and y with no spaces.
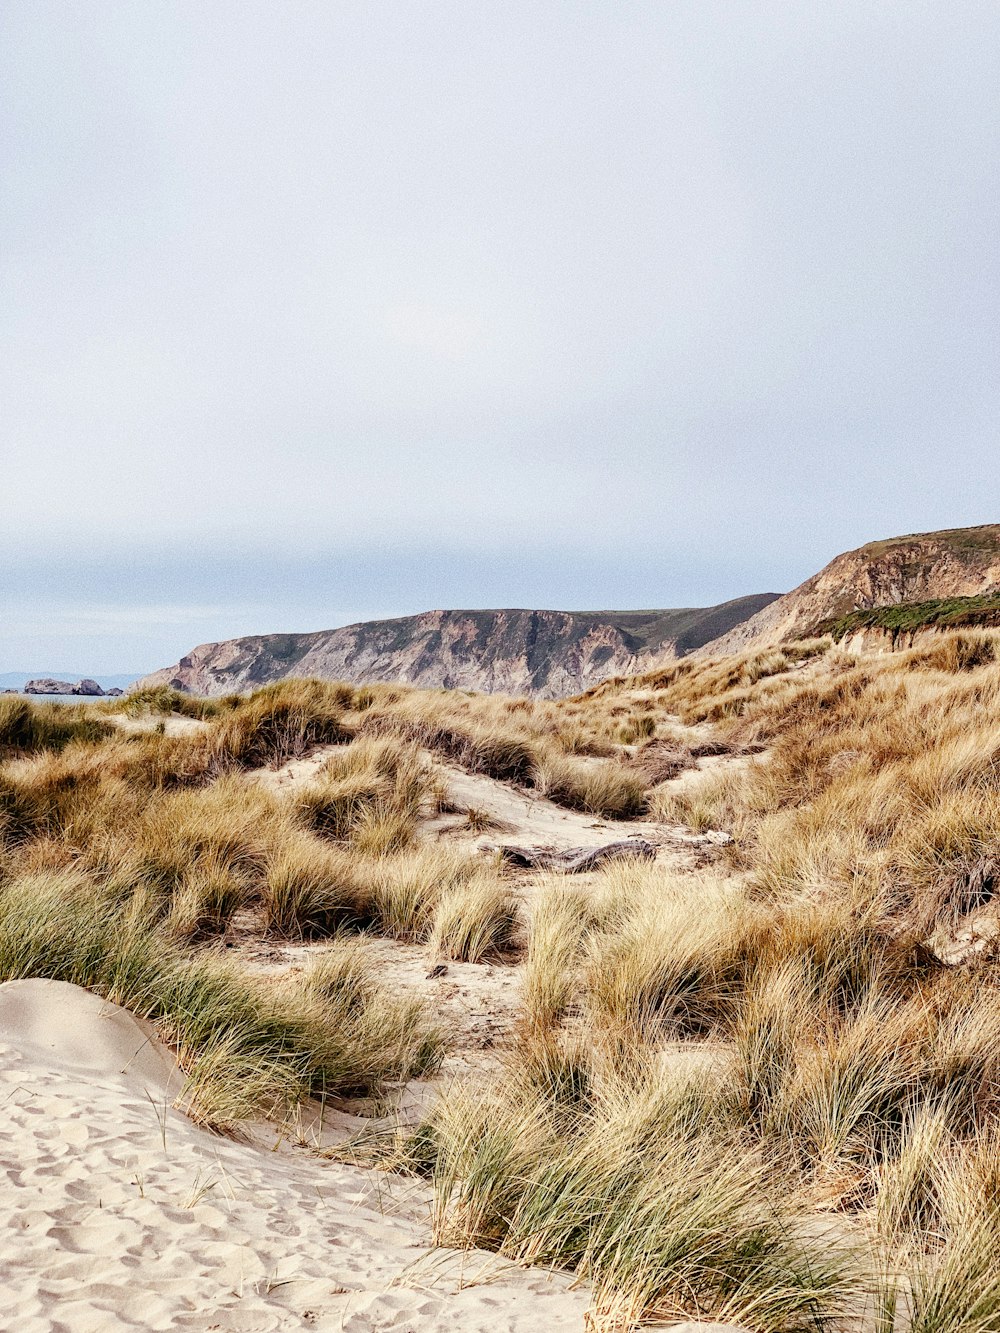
{"x":311,"y":889}
{"x":167,"y":702}
{"x":280,"y":722}
{"x":559,"y":920}
{"x":26,"y":726}
{"x":476,"y":743}
{"x":599,"y":787}
{"x":370,"y":794}
{"x":475,"y":920}
{"x":638,"y":1188}
{"x":249,"y":1049}
{"x":406,"y":888}
{"x":666,"y":960}
{"x":714,"y":799}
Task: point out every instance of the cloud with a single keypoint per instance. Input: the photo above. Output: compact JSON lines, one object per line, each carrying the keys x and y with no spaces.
{"x":523,"y":303}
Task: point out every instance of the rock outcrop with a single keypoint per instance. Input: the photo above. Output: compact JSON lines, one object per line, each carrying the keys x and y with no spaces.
{"x":959,"y":562}
{"x":46,"y":685}
{"x":542,"y":653}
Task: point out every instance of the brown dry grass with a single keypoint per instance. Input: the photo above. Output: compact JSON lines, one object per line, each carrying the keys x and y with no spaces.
{"x":707,"y":1065}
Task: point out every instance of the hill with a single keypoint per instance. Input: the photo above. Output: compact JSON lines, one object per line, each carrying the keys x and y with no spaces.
{"x":541,"y":653}
{"x":918,"y":568}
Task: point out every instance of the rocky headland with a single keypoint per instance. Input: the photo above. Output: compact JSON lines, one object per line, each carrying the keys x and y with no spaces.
{"x":542,"y":653}
{"x":916,"y":569}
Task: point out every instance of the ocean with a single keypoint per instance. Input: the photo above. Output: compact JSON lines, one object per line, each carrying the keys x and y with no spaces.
{"x":54,"y":698}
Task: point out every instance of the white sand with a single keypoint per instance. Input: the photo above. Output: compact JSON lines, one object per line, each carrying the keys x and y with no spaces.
{"x":120,"y":1214}
{"x":172,"y":725}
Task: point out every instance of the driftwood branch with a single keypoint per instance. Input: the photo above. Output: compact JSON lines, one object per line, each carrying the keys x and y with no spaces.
{"x":575,"y":860}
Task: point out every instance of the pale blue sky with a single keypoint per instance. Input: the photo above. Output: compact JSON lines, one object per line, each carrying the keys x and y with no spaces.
{"x":317,"y":312}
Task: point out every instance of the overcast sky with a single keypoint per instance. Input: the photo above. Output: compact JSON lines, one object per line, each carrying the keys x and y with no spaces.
{"x":316,"y":312}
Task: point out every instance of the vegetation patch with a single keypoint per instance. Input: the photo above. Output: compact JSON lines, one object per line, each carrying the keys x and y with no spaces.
{"x":949,"y":613}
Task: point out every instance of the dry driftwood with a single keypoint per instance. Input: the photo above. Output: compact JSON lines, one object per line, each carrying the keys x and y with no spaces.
{"x":575,"y":860}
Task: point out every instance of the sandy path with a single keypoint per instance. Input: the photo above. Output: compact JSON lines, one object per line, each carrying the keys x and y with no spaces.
{"x":478,"y":1005}
{"x":288,"y":777}
{"x":121,"y":1214}
{"x":173,"y":725}
{"x":524,"y":817}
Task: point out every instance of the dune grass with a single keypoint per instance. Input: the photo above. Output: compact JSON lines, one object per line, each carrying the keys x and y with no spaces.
{"x":765,"y":1092}
{"x":166,"y":701}
{"x":28,"y":726}
{"x":842,"y":1068}
{"x":628,"y":1178}
{"x":559,"y":920}
{"x":369,"y":795}
{"x":598,"y":787}
{"x":248,"y":1049}
{"x":474,"y":920}
{"x":278,"y":723}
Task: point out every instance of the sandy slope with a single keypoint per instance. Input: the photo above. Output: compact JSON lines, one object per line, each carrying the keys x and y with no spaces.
{"x":119,"y":1213}
{"x":519,"y":814}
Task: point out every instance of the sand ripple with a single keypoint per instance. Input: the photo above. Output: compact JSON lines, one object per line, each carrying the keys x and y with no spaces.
{"x":119,"y":1214}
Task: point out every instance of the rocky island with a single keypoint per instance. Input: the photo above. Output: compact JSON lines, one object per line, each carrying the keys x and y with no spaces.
{"x":86,"y":687}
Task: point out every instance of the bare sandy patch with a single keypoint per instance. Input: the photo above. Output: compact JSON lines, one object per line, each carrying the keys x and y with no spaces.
{"x":120,"y":1213}
{"x":173,"y":725}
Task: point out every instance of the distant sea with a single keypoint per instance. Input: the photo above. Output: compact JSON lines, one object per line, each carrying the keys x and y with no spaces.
{"x":56,"y":698}
{"x":16,"y":681}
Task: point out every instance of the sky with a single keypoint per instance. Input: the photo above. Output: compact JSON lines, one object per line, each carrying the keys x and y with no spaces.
{"x":321,"y":312}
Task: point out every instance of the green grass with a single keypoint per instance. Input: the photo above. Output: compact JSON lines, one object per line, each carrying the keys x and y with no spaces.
{"x":628,"y":1179}
{"x":162,"y":699}
{"x":906,"y":617}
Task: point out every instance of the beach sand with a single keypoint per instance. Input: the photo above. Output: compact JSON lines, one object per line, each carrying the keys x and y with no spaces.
{"x":119,"y":1213}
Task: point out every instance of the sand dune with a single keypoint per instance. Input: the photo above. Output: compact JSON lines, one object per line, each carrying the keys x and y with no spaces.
{"x":119,"y":1213}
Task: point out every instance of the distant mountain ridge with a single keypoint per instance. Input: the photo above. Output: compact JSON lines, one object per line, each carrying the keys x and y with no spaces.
{"x":917,"y":568}
{"x":514,"y":651}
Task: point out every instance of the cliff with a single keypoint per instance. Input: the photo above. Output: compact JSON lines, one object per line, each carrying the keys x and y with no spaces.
{"x":919,"y":568}
{"x":543,"y":653}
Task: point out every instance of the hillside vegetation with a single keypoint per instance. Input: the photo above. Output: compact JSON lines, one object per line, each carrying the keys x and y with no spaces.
{"x":910,"y":617}
{"x":760,"y":1085}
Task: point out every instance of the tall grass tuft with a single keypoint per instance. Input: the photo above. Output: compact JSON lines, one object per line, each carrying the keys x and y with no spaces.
{"x":475,"y":920}
{"x":636,"y":1188}
{"x":248,"y":1049}
{"x":28,"y":726}
{"x":279,"y":723}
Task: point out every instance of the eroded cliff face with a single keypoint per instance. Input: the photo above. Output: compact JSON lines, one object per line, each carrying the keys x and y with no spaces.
{"x":960,"y":562}
{"x":541,"y":653}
